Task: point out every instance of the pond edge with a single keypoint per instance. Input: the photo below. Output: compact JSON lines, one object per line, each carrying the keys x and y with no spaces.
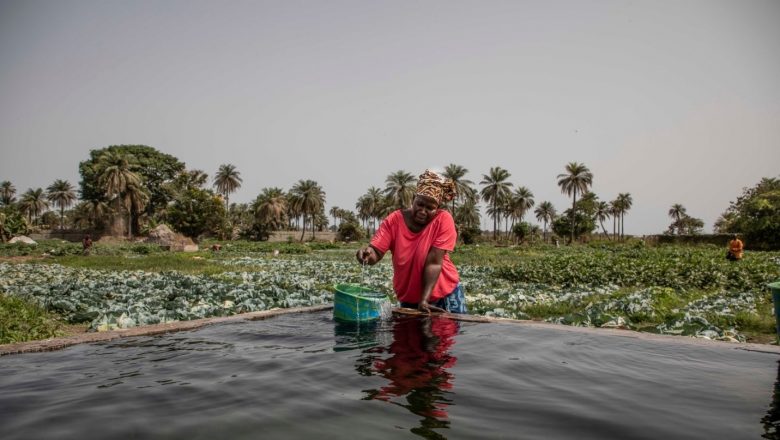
{"x":158,"y":329}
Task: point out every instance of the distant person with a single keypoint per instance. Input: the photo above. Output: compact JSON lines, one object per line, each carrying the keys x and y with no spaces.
{"x":735,"y":249}
{"x":420,"y":238}
{"x":86,"y":244}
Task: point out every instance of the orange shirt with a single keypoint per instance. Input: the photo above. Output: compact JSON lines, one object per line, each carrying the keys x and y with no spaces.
{"x":410,"y":249}
{"x":736,"y":246}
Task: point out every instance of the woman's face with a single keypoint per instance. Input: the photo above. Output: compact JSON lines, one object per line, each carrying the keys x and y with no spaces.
{"x":424,"y":209}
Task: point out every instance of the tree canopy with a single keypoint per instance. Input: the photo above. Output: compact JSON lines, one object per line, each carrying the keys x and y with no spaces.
{"x":155,"y":169}
{"x":197,"y":211}
{"x":756,"y":215}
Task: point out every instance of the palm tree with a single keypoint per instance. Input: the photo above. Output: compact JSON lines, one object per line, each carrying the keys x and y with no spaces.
{"x":495,"y":191}
{"x":89,"y":213}
{"x":377,"y":206}
{"x":576,"y":179}
{"x":293,"y":210}
{"x":310,"y":198}
{"x":614,"y":211}
{"x":334,"y":212}
{"x":270,"y":207}
{"x":33,"y":203}
{"x":371,"y":207}
{"x":61,"y":194}
{"x":677,"y":212}
{"x":603,"y":213}
{"x":192,"y":179}
{"x":364,"y":207}
{"x":505,"y":208}
{"x":545,"y":213}
{"x":625,"y":202}
{"x":226,"y":181}
{"x":464,"y":188}
{"x":467,"y":214}
{"x":117,"y":172}
{"x":7,"y":192}
{"x":522,"y":201}
{"x":134,"y":200}
{"x":400,"y":187}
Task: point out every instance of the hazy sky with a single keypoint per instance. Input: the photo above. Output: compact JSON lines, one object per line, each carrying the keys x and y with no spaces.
{"x":671,"y":101}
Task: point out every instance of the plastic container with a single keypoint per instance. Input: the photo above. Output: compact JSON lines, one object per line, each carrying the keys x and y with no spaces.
{"x":353,"y":303}
{"x":776,"y":300}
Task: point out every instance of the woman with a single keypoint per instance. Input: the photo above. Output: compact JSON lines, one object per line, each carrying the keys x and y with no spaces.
{"x":420,"y":238}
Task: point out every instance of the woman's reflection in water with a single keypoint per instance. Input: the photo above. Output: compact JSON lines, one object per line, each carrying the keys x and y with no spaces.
{"x":417,"y":369}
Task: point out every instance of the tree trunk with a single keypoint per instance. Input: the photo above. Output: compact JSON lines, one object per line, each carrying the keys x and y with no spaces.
{"x":573,"y":204}
{"x":495,"y":217}
{"x":303,"y":230}
{"x":614,"y":219}
{"x":622,"y":228}
{"x":117,"y":228}
{"x":312,"y":227}
{"x":604,"y":229}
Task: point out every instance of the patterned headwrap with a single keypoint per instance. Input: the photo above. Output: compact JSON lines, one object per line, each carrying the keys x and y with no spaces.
{"x":436,"y":187}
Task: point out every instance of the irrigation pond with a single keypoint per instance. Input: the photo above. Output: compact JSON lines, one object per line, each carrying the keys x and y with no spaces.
{"x":305,"y":376}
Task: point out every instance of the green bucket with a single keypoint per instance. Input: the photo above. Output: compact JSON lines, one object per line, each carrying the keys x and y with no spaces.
{"x":775,"y":287}
{"x":353,"y":303}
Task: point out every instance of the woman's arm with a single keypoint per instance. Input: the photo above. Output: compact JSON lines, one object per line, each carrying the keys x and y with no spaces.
{"x":431,"y":274}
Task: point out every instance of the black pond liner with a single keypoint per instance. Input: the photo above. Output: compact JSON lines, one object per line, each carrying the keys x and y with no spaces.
{"x":302,"y":375}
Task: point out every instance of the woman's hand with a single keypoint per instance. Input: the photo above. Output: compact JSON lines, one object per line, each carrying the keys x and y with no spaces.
{"x":424,"y":307}
{"x":367,"y":255}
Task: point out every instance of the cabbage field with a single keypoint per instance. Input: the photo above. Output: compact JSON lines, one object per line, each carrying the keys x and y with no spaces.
{"x":671,"y":290}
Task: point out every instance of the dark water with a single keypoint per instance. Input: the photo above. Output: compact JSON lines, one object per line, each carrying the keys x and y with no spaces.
{"x":303,"y":376}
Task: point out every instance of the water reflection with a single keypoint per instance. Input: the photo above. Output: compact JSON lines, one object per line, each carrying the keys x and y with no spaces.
{"x":771,"y":420}
{"x":355,"y":335}
{"x":416,"y":364}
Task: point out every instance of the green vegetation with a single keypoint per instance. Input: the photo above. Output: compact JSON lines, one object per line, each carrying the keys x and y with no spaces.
{"x":22,"y":320}
{"x":677,"y":267}
{"x":196,"y":211}
{"x":686,"y":290}
{"x":58,"y":248}
{"x":756,"y":215}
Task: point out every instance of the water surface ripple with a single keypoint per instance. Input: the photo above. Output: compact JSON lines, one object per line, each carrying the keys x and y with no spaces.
{"x":304,"y":376}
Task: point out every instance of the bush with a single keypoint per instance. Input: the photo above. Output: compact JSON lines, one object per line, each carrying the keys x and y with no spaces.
{"x":21,"y":321}
{"x":349,"y":231}
{"x":755,"y":215}
{"x":521,"y":231}
{"x":583,"y":225}
{"x":470,"y":235}
{"x":196,"y":212}
{"x":12,"y":223}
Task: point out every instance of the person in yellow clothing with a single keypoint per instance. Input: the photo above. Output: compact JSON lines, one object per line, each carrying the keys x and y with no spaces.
{"x":735,"y":249}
